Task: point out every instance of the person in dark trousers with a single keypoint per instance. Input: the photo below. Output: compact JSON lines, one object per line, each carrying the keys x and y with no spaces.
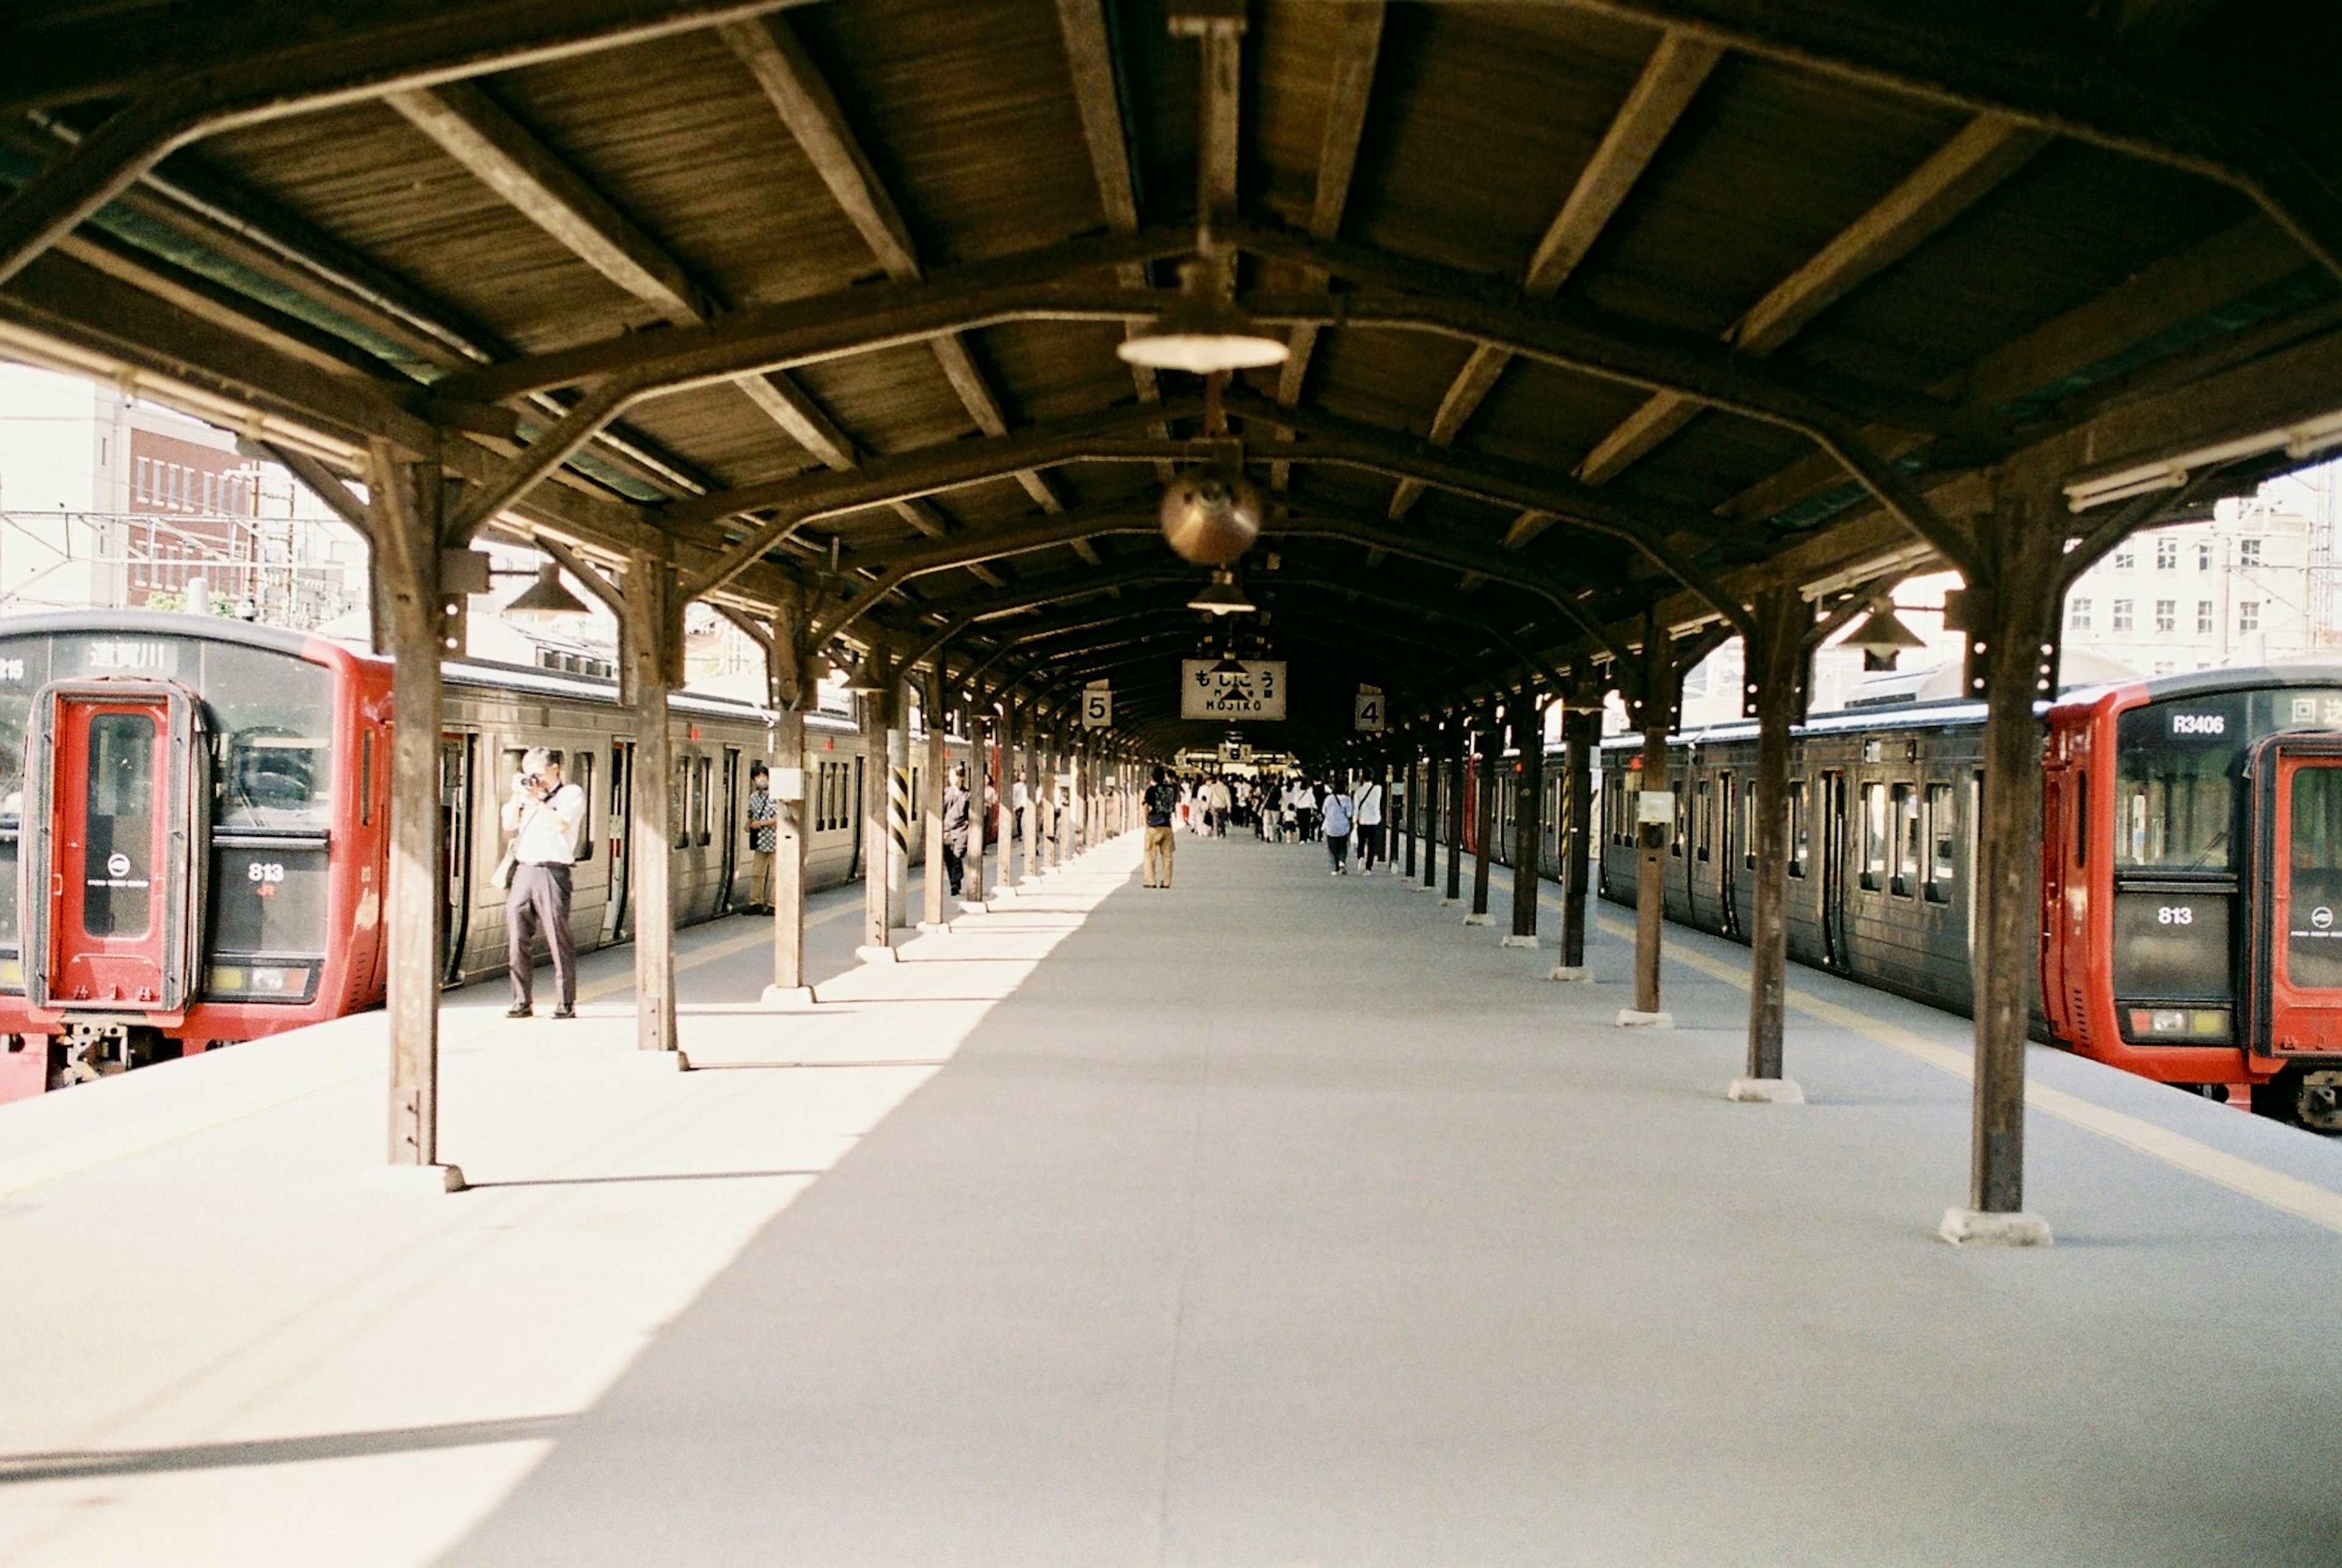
{"x":543,"y":814}
{"x":955,"y":827}
{"x":764,"y":839}
{"x":1162,"y":810}
{"x":1369,"y":805}
{"x":1335,"y":815}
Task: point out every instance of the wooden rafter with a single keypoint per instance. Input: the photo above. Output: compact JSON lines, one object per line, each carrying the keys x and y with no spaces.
{"x":1669,"y":82}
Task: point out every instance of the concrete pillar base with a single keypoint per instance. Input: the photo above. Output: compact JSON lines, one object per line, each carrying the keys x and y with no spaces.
{"x":869,"y":955}
{"x":978,"y":907}
{"x":424,"y":1180}
{"x":1630,"y":1019}
{"x":665,"y":1063}
{"x":932,"y":926}
{"x":1479,"y":920}
{"x":1571,"y":973}
{"x":1976,"y":1228}
{"x":1527,"y":943}
{"x":788,"y":996}
{"x":1765,"y":1091}
{"x":1451,"y":904}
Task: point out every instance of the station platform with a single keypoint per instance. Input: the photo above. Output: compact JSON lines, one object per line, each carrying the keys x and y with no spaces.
{"x":1274,"y":1219}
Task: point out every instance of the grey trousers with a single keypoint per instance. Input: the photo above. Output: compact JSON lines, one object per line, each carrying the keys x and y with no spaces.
{"x":539,"y":896}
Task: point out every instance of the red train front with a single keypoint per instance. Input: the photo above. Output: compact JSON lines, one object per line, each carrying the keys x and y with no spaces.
{"x":192,"y":823}
{"x":2192,"y":882}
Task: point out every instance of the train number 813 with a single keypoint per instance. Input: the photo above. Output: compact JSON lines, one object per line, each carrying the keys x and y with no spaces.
{"x":2174,"y":914}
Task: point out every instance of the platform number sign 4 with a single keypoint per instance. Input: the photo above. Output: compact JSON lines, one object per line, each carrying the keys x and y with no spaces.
{"x":1097,"y":706}
{"x":1368,"y":712}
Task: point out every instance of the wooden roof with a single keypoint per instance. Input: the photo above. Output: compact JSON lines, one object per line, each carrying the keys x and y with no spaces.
{"x":1603,"y":314}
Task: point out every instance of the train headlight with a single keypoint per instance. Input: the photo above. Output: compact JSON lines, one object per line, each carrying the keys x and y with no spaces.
{"x":273,"y":981}
{"x":2176,"y":1023}
{"x":12,"y":975}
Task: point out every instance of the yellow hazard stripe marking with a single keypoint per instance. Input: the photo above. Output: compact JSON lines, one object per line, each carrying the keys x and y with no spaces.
{"x":2288,"y":1194}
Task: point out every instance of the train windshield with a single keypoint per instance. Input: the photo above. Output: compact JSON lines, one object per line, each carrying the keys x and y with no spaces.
{"x":2177,"y":786}
{"x":271,"y":717}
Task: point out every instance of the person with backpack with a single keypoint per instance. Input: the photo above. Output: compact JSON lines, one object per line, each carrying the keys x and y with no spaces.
{"x":1337,"y":813}
{"x":543,"y":814}
{"x":1162,"y":801}
{"x":1369,"y":807}
{"x":764,"y":839}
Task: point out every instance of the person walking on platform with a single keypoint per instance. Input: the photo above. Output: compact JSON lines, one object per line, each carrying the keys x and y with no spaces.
{"x":955,"y":827}
{"x":1369,"y":805}
{"x":1222,"y":803}
{"x":543,"y":814}
{"x":764,"y":838}
{"x":1305,"y":811}
{"x":1337,"y":812}
{"x":1161,"y":802}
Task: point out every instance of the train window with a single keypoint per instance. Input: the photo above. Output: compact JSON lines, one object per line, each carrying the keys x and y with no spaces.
{"x":2314,"y":881}
{"x":23,"y":671}
{"x":1801,"y":830}
{"x":365,"y":775}
{"x":119,"y":819}
{"x":1683,"y":823}
{"x":1874,"y":836}
{"x":1903,"y":813}
{"x":1706,"y":818}
{"x":2175,"y":789}
{"x":703,"y":804}
{"x":1746,"y":835}
{"x":1943,"y":826}
{"x":2082,"y":817}
{"x":273,"y":722}
{"x":678,"y":802}
{"x":584,"y":782}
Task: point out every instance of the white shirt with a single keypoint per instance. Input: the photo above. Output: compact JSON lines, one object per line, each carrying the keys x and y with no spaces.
{"x":1018,"y":797}
{"x":1303,"y":798}
{"x":1370,"y":806}
{"x":548,"y":828}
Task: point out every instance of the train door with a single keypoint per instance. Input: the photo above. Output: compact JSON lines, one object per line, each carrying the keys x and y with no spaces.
{"x":115,"y":797}
{"x":455,"y":768}
{"x":621,"y":838}
{"x":728,"y":860}
{"x":1833,"y":808}
{"x":2296,"y":939}
{"x":1728,"y":852}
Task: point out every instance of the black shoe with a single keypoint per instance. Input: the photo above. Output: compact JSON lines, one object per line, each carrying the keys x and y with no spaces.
{"x":564,"y":1013}
{"x":520,"y":1010}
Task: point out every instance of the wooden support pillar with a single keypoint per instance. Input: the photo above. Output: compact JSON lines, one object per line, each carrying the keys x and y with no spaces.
{"x":1528,"y":817}
{"x":877,"y":868}
{"x":2011,"y":616}
{"x":1414,"y":807}
{"x":1453,"y":799}
{"x":980,"y":732}
{"x":404,"y":507}
{"x":1580,"y":732}
{"x":931,"y":803}
{"x":652,"y":652}
{"x":1776,"y":661}
{"x":1034,"y":811}
{"x":898,"y":805}
{"x":1654,"y":704}
{"x":791,"y":691}
{"x":1487,"y":742}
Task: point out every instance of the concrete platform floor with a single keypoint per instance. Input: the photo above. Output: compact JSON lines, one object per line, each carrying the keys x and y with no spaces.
{"x":1275,"y":1219}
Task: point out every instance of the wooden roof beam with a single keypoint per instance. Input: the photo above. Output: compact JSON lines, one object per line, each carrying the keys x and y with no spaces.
{"x":1669,"y":82}
{"x":197,"y":83}
{"x":1357,"y":45}
{"x":2058,"y":76}
{"x":1960,"y":172}
{"x":792,"y":83}
{"x":1097,"y":97}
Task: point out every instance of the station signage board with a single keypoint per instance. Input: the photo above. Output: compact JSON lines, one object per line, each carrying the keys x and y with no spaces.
{"x":1232,"y":689}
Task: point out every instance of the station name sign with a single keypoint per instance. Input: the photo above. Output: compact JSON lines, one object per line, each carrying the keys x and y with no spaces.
{"x":1233,"y":689}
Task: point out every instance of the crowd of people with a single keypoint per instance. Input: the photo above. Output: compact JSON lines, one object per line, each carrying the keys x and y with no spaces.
{"x":1345,"y":814}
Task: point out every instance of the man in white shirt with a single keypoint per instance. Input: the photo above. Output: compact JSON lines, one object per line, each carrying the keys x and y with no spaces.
{"x":1368,"y":803}
{"x":543,"y":815}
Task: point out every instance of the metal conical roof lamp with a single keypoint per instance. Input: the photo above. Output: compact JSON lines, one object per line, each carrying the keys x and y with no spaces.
{"x":1221,"y":596}
{"x":1881,"y":632}
{"x":1202,"y":331}
{"x":547,"y":598}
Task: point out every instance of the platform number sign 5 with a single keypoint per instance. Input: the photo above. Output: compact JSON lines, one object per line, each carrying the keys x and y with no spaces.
{"x":1368,"y":712}
{"x":1097,"y":706}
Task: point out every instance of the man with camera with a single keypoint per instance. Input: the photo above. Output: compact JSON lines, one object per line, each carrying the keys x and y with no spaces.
{"x":543,"y":815}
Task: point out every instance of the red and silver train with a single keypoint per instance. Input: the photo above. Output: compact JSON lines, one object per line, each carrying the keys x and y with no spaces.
{"x":194,"y":826}
{"x":2191,"y":901}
